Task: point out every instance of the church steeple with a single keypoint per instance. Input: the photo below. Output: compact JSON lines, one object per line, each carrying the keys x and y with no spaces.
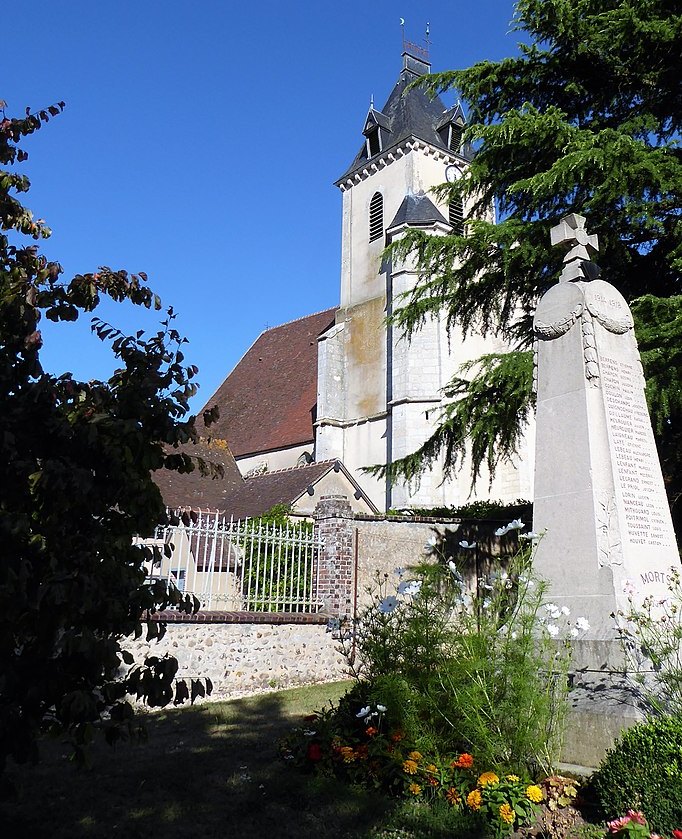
{"x":408,"y":114}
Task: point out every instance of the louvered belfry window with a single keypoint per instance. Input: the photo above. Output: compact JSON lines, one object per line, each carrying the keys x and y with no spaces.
{"x":456,"y":216}
{"x":456,"y":132}
{"x":376,"y":217}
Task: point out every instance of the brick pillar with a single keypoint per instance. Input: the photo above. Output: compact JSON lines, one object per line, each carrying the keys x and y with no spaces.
{"x":334,"y":528}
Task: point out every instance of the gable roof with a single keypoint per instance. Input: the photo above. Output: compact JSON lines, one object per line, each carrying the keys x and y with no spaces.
{"x":408,"y":113}
{"x":194,"y":489}
{"x":262,"y":492}
{"x":268,"y":401}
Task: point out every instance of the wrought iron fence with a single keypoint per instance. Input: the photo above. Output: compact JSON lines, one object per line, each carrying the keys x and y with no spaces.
{"x":240,"y":565}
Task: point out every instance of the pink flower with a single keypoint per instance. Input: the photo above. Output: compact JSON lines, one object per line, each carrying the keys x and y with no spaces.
{"x":636,"y":816}
{"x":618,"y":824}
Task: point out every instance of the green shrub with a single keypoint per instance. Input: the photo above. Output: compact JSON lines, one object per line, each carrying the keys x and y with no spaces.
{"x":483,"y":672}
{"x":643,"y":771}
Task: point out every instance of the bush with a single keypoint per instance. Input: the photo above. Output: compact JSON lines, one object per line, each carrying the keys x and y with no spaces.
{"x":484,"y":668}
{"x":643,"y":772}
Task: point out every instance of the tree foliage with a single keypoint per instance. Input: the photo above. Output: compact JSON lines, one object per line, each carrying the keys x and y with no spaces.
{"x":585,"y":119}
{"x":75,"y":487}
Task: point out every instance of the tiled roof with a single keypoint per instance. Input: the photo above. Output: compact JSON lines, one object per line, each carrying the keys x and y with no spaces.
{"x":262,"y":492}
{"x":197,"y":490}
{"x":268,"y":401}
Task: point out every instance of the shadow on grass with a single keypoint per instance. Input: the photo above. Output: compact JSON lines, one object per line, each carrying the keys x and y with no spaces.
{"x":212,"y":771}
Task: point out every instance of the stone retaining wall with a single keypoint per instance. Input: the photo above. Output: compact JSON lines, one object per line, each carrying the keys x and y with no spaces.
{"x":245,"y":653}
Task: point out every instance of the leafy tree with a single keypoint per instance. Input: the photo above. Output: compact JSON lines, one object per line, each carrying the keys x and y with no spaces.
{"x":75,"y":488}
{"x":585,"y":119}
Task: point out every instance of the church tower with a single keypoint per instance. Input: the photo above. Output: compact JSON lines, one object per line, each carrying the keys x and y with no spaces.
{"x":378,"y":394}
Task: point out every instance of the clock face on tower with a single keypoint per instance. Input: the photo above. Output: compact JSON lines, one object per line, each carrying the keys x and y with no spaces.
{"x":451,"y":173}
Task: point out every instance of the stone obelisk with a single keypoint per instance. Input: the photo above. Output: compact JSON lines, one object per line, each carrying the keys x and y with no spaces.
{"x":598,"y":486}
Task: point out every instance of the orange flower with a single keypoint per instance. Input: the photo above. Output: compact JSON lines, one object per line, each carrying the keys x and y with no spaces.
{"x":475,"y":799}
{"x":362,"y":752}
{"x":410,"y":766}
{"x":370,"y":731}
{"x":453,"y":797}
{"x":347,"y":753}
{"x":487,"y":778}
{"x":415,"y":756}
{"x":464,"y":761}
{"x":433,"y":782}
{"x":415,"y":789}
{"x":397,"y":736}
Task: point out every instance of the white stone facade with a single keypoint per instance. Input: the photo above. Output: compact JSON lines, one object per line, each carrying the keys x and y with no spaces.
{"x":379,"y":396}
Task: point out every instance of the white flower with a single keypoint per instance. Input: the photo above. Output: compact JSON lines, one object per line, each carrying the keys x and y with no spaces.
{"x":309,"y":733}
{"x":410,"y":587}
{"x":529,"y":536}
{"x":431,"y":545}
{"x":363,"y":712}
{"x":388,"y":605}
{"x":382,"y":709}
{"x":553,"y":610}
{"x":514,"y":635}
{"x":399,"y":571}
{"x":467,"y":545}
{"x":486,"y":603}
{"x":553,"y":629}
{"x":516,"y":524}
{"x":565,"y":611}
{"x":501,"y":531}
{"x":582,"y":624}
{"x":455,"y":572}
{"x":629,"y":588}
{"x":575,"y":632}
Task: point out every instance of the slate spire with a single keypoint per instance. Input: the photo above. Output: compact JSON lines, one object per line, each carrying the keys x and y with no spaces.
{"x":407,"y":113}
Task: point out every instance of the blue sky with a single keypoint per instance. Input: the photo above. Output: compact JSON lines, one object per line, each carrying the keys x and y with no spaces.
{"x":200,"y":143}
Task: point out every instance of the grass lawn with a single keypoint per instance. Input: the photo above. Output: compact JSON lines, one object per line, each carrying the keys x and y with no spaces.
{"x":213,"y":770}
{"x":209,"y":771}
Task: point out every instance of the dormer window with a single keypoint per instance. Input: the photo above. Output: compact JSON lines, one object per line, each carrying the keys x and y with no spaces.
{"x":373,"y":142}
{"x":455,"y":138}
{"x":456,"y":216}
{"x":376,"y":217}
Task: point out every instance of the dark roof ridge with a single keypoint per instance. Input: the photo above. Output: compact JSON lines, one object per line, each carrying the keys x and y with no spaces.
{"x":296,"y":320}
{"x":294,"y":468}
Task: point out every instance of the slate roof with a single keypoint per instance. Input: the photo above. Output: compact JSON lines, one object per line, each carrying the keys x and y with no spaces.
{"x":416,"y":210}
{"x":408,"y":114}
{"x":197,"y":490}
{"x":268,"y":401}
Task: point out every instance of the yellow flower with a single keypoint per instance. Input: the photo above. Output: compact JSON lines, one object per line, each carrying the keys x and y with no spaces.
{"x":347,"y":753}
{"x":487,"y":778}
{"x":513,"y":778}
{"x":474,"y":799}
{"x":410,"y":766}
{"x":415,"y":756}
{"x":534,"y":793}
{"x":432,"y":767}
{"x":415,"y":789}
{"x":507,"y":814}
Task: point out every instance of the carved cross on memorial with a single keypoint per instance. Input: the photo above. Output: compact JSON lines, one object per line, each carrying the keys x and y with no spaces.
{"x":598,"y":486}
{"x":571,"y":234}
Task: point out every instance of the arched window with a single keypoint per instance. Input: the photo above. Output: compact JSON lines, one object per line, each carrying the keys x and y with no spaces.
{"x":376,"y":217}
{"x":456,"y":216}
